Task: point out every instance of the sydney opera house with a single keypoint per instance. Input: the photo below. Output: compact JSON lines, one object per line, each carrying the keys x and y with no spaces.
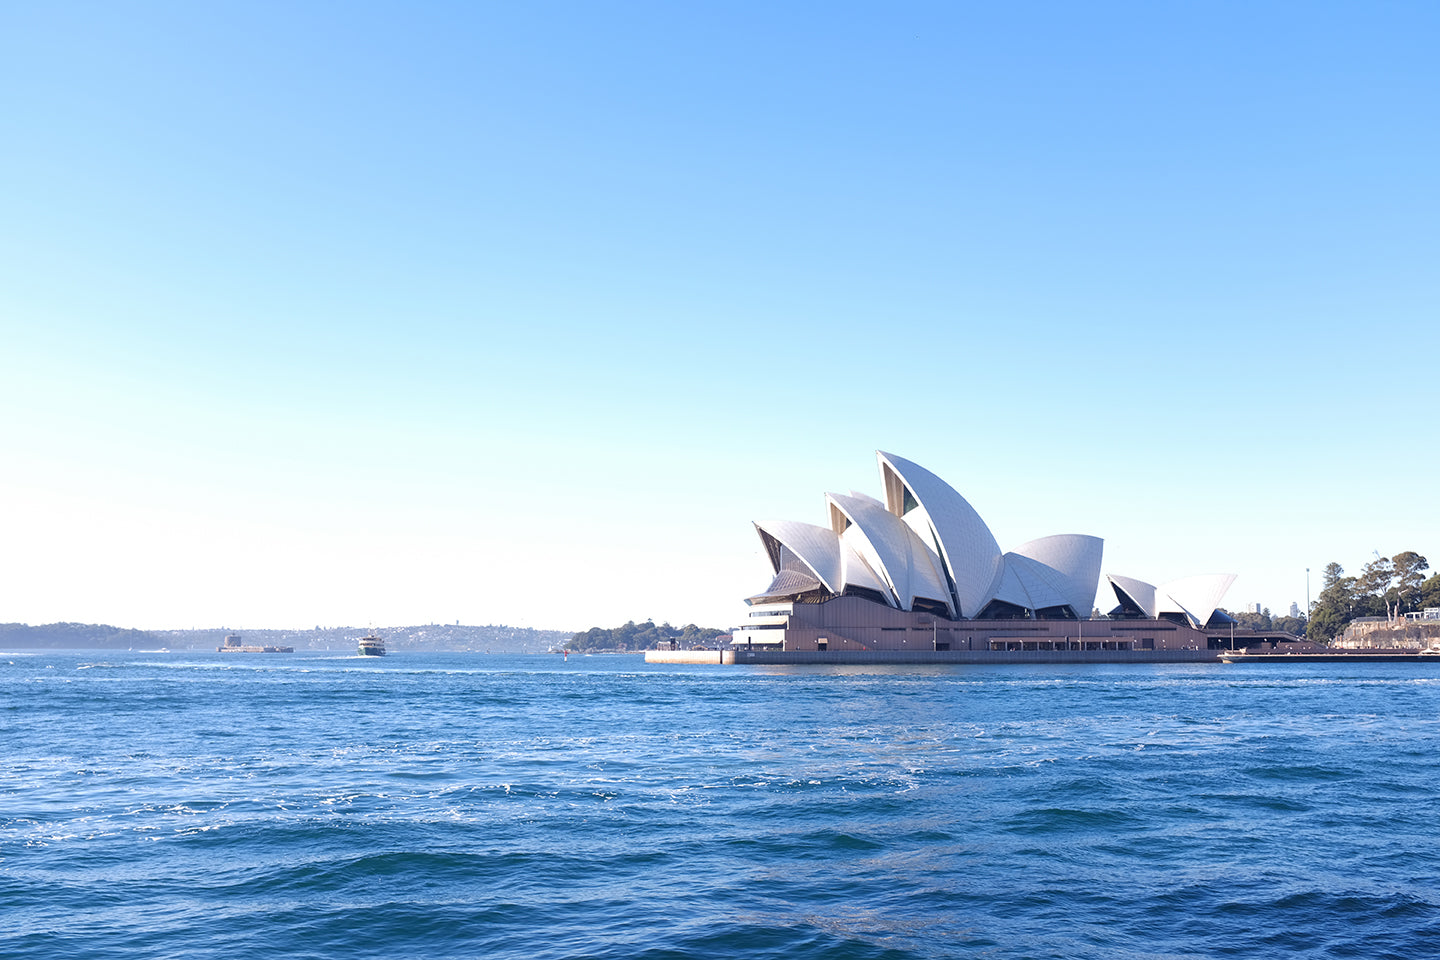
{"x":920,"y":572}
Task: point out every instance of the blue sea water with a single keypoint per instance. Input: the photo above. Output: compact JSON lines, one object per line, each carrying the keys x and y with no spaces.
{"x":438,"y":805}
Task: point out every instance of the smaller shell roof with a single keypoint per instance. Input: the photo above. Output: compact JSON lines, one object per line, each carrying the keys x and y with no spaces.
{"x":1140,"y":592}
{"x":788,"y":583}
{"x":1199,"y":595}
{"x":817,"y":547}
{"x":833,"y":562}
{"x":911,"y":567}
{"x":1071,"y":562}
{"x":1195,"y":597}
{"x":1030,"y":584}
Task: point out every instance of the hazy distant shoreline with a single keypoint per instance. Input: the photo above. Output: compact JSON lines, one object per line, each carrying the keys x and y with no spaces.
{"x":490,"y":638}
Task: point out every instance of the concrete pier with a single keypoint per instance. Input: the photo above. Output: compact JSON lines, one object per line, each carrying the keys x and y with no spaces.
{"x":1356,"y":656}
{"x":689,"y":656}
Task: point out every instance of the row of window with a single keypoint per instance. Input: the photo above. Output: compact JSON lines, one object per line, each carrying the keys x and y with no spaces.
{"x":1021,"y":646}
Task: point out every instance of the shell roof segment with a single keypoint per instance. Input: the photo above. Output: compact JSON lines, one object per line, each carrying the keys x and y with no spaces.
{"x":1139,"y":592}
{"x":816,"y":547}
{"x":937,"y":513}
{"x":820,"y":551}
{"x":909,"y":567}
{"x":787,"y":583}
{"x":1196,"y":598}
{"x":1199,"y":595}
{"x":1030,"y":584}
{"x":1071,"y":563}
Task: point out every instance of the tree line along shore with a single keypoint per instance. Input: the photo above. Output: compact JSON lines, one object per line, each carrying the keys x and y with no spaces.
{"x":1386,"y":588}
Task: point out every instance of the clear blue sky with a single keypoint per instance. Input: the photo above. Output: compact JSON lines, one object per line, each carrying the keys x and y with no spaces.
{"x":520,"y":313}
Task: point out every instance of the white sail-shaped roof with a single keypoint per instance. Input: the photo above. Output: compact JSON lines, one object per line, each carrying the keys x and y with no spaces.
{"x":831,"y":561}
{"x":1196,"y":596}
{"x":942,"y":517}
{"x":816,"y":547}
{"x":857,"y":573}
{"x":1011,"y":590}
{"x":1142,"y":593}
{"x":787,"y":585}
{"x":1030,"y":584}
{"x":1073,"y":562}
{"x":908,"y":566}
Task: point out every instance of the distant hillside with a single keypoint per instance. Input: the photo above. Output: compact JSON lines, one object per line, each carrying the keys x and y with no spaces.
{"x":92,"y":636}
{"x":453,"y":637}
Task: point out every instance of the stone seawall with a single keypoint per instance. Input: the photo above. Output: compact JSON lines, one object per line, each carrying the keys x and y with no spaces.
{"x":1390,"y":633}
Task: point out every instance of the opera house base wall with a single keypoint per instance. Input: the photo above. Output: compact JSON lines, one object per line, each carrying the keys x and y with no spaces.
{"x":758,"y":657}
{"x":880,"y":657}
{"x":853,"y":629}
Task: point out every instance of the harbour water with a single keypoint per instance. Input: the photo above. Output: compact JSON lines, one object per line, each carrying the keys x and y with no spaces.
{"x":201,"y":805}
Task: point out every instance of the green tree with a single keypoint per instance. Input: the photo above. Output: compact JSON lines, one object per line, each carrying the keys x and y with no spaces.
{"x":1250,"y":620}
{"x":1327,"y":622}
{"x":642,"y":636}
{"x":1295,"y":626}
{"x":1331,"y":575}
{"x":692,"y":635}
{"x":1335,"y":606}
{"x":1373,"y":589}
{"x":1430,"y":593}
{"x":1376,"y":577}
{"x":1409,"y":577}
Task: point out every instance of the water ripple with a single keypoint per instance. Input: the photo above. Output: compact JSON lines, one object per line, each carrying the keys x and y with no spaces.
{"x":520,"y":807}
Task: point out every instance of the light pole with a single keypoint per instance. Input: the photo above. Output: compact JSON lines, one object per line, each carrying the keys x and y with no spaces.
{"x":1307,"y":594}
